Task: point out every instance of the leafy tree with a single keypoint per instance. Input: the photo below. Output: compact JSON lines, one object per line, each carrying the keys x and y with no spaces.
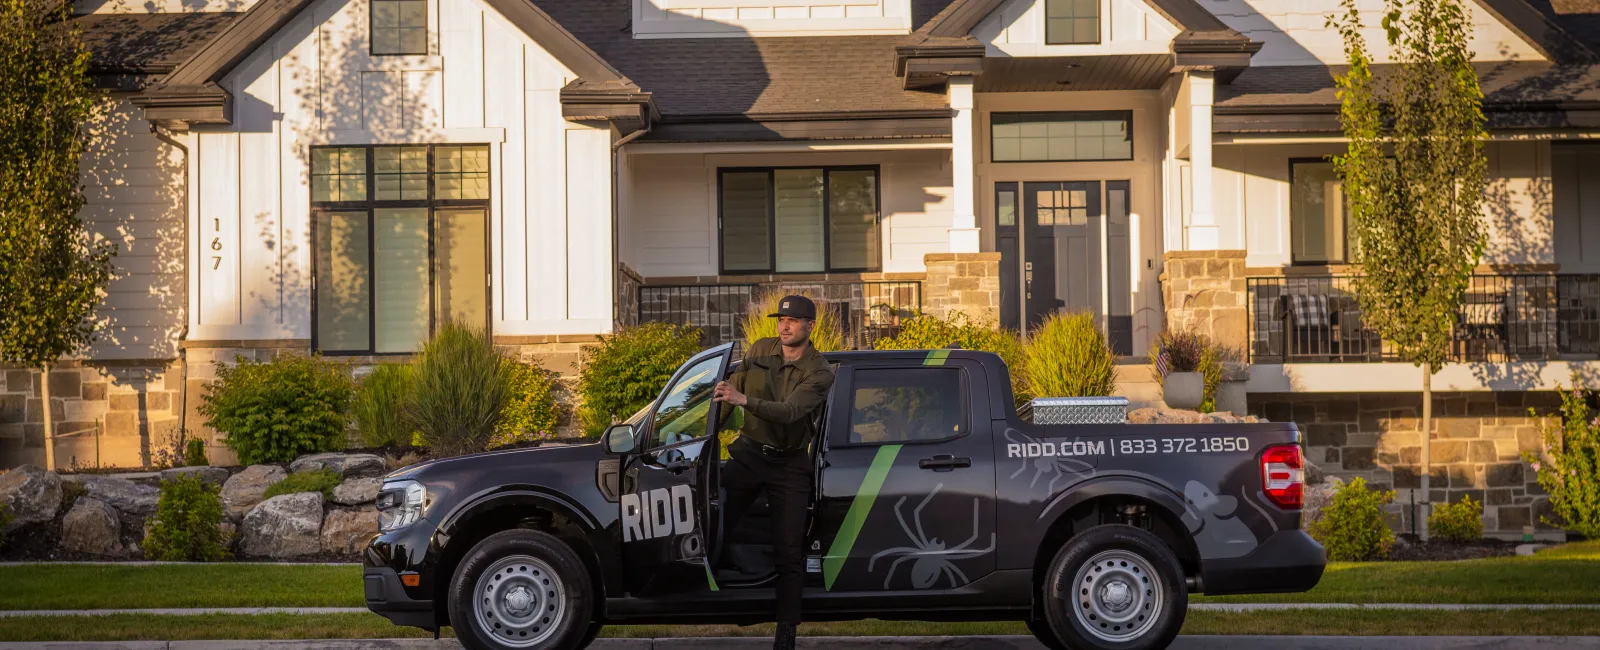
{"x":51,"y":271}
{"x":1569,"y":464}
{"x":1414,"y":178}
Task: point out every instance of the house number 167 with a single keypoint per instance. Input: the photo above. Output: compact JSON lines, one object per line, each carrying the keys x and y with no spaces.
{"x":216,"y":244}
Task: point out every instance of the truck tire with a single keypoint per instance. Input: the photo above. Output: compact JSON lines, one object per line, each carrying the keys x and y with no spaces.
{"x":521,"y":590}
{"x":1114,"y":587}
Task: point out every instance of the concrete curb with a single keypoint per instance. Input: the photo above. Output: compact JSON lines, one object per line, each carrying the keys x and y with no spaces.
{"x":1198,"y":607}
{"x":153,"y":563}
{"x":199,"y":611}
{"x":879,"y":643}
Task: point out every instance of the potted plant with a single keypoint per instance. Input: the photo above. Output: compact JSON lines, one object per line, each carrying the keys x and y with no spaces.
{"x":1179,"y":359}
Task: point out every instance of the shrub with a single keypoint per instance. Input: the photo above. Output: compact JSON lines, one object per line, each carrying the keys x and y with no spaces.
{"x":5,"y":520}
{"x":459,"y":392}
{"x":627,"y":370}
{"x":380,"y":406}
{"x":1190,"y":352}
{"x":276,"y":410}
{"x":315,"y":480}
{"x":531,"y":412}
{"x":927,"y":332}
{"x":1569,"y":467}
{"x":185,"y":527}
{"x":194,"y":453}
{"x":1461,"y":521}
{"x":1068,"y":356}
{"x":1352,"y":526}
{"x":827,"y":335}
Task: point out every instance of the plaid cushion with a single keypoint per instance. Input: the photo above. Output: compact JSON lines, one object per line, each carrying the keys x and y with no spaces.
{"x":1309,"y":311}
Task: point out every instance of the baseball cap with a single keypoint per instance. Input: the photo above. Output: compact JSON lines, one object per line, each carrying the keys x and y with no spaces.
{"x":796,"y":307}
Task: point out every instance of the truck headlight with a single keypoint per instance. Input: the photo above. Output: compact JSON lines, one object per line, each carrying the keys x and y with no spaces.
{"x":400,"y":504}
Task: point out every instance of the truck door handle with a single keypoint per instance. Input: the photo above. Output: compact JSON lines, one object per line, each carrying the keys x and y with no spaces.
{"x":944,"y":463}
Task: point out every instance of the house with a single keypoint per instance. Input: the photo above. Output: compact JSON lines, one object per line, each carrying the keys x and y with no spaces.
{"x":342,"y":175}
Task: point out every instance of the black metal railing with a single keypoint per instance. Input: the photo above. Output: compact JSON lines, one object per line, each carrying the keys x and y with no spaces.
{"x":1503,"y":318}
{"x":867,"y":311}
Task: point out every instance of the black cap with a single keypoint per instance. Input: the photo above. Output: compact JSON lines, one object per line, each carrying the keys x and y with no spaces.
{"x":796,"y":307}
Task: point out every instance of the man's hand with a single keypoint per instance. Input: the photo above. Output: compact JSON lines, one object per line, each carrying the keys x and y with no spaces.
{"x":725,"y":392}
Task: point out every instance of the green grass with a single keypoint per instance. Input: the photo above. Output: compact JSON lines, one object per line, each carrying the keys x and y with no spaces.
{"x":101,"y":586}
{"x":131,"y":627}
{"x":1564,"y":576}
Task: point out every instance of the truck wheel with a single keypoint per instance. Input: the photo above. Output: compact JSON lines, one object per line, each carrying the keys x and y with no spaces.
{"x":1114,"y":587}
{"x":521,"y":589}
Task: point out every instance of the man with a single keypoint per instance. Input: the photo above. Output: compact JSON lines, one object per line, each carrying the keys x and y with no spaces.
{"x":781,"y":385}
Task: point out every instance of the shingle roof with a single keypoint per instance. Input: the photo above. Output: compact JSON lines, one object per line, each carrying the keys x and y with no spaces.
{"x":759,"y":77}
{"x":1579,"y":18}
{"x":1504,"y":83}
{"x":127,"y":50}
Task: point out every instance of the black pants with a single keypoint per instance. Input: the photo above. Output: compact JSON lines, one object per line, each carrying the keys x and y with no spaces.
{"x":787,"y":482}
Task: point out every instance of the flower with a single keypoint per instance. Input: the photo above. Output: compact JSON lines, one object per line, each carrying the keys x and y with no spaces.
{"x":1535,"y":465}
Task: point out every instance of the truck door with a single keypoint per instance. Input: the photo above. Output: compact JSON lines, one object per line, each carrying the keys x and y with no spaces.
{"x":669,"y":484}
{"x":908,"y":489}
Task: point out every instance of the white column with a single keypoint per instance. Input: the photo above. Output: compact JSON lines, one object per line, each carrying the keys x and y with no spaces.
{"x":1202,"y":229}
{"x":964,"y":150}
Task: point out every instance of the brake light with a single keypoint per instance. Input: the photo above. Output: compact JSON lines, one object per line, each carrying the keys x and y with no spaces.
{"x":1283,"y":476}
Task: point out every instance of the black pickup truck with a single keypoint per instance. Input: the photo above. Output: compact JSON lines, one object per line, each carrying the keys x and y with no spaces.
{"x":934,"y":501}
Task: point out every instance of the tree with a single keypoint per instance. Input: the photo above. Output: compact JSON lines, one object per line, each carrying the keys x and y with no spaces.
{"x":1414,"y":180}
{"x":51,"y":270}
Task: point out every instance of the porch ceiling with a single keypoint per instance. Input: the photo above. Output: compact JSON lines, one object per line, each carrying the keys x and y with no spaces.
{"x":1046,"y":74}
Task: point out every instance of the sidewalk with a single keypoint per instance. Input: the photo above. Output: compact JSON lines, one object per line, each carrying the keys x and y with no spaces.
{"x":880,"y":643}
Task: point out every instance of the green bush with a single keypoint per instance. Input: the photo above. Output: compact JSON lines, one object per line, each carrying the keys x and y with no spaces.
{"x":1068,"y":356}
{"x":194,"y":453}
{"x":627,"y":370}
{"x":827,"y":335}
{"x":459,"y":392}
{"x":531,"y":412}
{"x":274,"y":411}
{"x":927,"y":332}
{"x":1461,"y":521}
{"x":1352,"y":527}
{"x":380,"y":406}
{"x":1191,"y":352}
{"x":185,"y":527}
{"x":315,"y":480}
{"x":1569,"y":467}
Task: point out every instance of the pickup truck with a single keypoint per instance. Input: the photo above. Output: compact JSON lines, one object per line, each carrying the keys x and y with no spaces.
{"x":934,"y":500}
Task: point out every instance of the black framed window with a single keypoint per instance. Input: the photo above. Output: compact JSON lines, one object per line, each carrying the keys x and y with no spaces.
{"x":1071,"y":22}
{"x":799,"y":219}
{"x":399,"y":27}
{"x":401,"y":243}
{"x":1319,"y":218}
{"x":1061,"y":136}
{"x":901,"y":405}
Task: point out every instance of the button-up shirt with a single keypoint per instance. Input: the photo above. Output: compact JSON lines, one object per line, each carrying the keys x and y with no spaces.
{"x":782,"y":395}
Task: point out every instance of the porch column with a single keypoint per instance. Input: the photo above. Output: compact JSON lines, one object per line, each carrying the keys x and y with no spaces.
{"x":964,"y":225}
{"x":1202,"y":232}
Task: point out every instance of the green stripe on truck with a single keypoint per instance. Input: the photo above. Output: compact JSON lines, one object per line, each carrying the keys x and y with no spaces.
{"x":857,"y":515}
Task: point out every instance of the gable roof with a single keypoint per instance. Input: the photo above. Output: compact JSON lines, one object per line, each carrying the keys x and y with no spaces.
{"x":1547,"y":28}
{"x":128,"y":51}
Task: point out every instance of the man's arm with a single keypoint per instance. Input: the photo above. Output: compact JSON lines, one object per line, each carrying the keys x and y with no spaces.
{"x":801,"y":401}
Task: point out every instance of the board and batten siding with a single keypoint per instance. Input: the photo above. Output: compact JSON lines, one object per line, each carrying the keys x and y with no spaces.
{"x":1017,"y":28}
{"x":1295,"y":32}
{"x":483,"y":82}
{"x":713,"y":18}
{"x":671,"y":212}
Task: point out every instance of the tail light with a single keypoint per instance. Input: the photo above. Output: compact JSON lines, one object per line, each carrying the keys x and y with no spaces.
{"x":1283,"y":476}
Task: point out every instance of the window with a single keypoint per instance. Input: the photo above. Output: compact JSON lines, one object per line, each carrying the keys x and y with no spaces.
{"x":683,"y":412}
{"x":1061,"y":136}
{"x":399,"y":26}
{"x":803,"y":220}
{"x":1319,"y":219}
{"x":891,"y":405}
{"x":401,"y":244}
{"x":1071,"y":22}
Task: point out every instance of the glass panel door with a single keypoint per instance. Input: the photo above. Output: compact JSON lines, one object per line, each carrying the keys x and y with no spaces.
{"x":461,"y":266}
{"x":344,"y":310}
{"x":400,"y":296}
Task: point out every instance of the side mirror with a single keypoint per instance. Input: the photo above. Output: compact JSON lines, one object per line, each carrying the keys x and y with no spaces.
{"x":620,"y":439}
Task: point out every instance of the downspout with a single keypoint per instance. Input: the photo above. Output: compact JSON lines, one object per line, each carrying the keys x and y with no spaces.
{"x":616,"y":193}
{"x":183,"y":334}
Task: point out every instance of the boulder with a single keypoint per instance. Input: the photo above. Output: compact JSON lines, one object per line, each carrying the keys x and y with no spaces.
{"x":285,"y":526}
{"x":212,"y":475}
{"x":31,"y":494}
{"x":357,"y":491}
{"x":244,"y":490}
{"x":1317,"y":497}
{"x":1150,"y":415}
{"x":348,"y":465}
{"x":92,"y":527}
{"x":124,"y":495}
{"x":346,"y":532}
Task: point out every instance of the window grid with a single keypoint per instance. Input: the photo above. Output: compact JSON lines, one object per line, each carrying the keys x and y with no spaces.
{"x":734,"y":183}
{"x":339,"y":174}
{"x":1061,"y":136}
{"x":1072,"y":22}
{"x":399,"y":27}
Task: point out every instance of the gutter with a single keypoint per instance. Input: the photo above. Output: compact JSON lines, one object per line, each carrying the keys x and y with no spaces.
{"x":183,"y":334}
{"x":616,"y":210}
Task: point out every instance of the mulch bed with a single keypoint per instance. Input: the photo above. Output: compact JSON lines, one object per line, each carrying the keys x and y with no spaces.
{"x":1408,"y":550}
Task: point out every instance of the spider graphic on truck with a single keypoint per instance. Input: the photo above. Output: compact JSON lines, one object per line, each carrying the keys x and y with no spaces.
{"x":934,"y":499}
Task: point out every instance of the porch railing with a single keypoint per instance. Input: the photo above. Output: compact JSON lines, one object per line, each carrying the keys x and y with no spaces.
{"x":867,"y":310}
{"x":1520,"y":317}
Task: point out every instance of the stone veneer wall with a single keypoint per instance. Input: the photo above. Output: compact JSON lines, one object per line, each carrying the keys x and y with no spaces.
{"x":964,"y":282}
{"x":1204,"y":292}
{"x":135,"y":407}
{"x":1478,"y":439}
{"x":561,"y":355}
{"x":627,"y":305}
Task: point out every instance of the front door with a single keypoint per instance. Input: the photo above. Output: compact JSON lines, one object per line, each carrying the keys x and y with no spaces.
{"x":1060,"y":252}
{"x":668,"y":486}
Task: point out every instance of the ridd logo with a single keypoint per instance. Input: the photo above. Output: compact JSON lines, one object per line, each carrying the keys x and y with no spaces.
{"x":657,"y":513}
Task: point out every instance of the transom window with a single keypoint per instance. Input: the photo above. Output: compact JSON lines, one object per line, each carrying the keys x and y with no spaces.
{"x":399,"y":26}
{"x":806,"y":220}
{"x":1319,"y":219}
{"x":401,"y":244}
{"x":1061,"y":136}
{"x":1071,"y":22}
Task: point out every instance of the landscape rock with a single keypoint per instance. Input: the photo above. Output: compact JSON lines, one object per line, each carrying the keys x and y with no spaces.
{"x":230,"y":534}
{"x":285,"y":526}
{"x":92,"y":527}
{"x":244,"y":490}
{"x":32,"y":495}
{"x":348,"y":465}
{"x":212,"y":475}
{"x":356,"y":491}
{"x":1152,"y":415}
{"x":124,"y":495}
{"x":346,"y":532}
{"x":1317,"y":496}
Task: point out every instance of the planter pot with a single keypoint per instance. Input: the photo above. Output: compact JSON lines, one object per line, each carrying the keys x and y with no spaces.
{"x":1231,"y":398}
{"x":1184,"y":390}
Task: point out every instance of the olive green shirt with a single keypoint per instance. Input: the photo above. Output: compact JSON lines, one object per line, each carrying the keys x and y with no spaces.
{"x":782,"y":395}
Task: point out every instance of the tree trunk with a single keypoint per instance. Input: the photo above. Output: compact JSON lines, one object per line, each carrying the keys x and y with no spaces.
{"x":1427,"y":447}
{"x":49,"y":423}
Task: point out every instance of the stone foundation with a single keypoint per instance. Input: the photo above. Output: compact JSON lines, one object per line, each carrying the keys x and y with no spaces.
{"x":107,"y":414}
{"x":964,"y":282}
{"x":1204,"y":292}
{"x":560,"y":355}
{"x":1478,"y":439}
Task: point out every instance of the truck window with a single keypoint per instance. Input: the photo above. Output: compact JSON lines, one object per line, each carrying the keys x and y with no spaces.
{"x":893,"y":405}
{"x":682,"y":413}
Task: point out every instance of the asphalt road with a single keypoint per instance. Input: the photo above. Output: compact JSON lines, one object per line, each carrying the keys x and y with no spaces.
{"x":885,"y":643}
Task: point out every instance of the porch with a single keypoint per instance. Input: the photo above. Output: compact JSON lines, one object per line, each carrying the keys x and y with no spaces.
{"x":867,"y":310}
